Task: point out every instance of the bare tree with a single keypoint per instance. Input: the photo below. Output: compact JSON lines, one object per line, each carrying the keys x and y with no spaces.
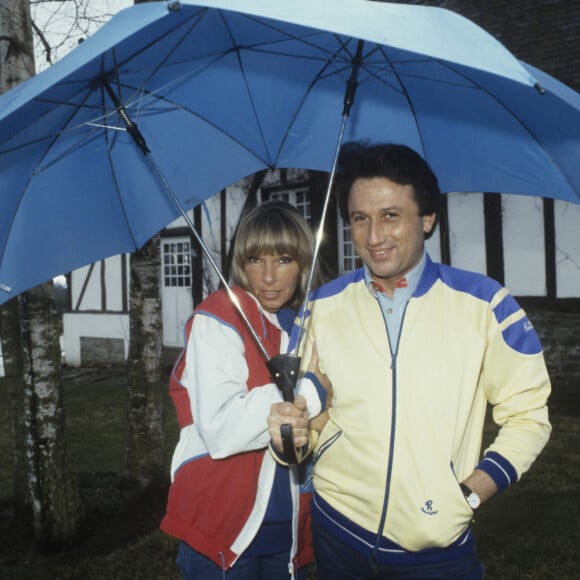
{"x":59,"y":25}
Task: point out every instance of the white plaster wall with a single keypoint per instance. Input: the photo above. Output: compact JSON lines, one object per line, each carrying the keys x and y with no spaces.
{"x":466,"y":231}
{"x":92,"y":296}
{"x":211,"y":229}
{"x":76,"y":325}
{"x":524,"y":248}
{"x":113,"y":273}
{"x":567,"y":222}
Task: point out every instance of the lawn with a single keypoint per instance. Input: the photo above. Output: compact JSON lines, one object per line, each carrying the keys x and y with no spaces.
{"x":529,"y":532}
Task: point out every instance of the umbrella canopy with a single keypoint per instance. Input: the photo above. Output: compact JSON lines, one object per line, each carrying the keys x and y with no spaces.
{"x":192,"y":96}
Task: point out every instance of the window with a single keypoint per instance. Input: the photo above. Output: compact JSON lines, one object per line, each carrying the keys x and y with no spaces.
{"x":348,"y":260}
{"x":176,"y":264}
{"x":299,"y":198}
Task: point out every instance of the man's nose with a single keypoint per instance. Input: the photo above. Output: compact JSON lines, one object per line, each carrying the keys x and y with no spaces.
{"x":375,"y":232}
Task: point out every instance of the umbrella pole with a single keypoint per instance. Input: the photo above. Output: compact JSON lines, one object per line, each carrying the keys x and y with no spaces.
{"x":139,"y":140}
{"x":283,"y":368}
{"x":349,"y":95}
{"x":207,"y":252}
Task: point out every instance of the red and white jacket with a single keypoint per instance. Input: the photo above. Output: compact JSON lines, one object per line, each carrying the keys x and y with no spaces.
{"x":221,"y":471}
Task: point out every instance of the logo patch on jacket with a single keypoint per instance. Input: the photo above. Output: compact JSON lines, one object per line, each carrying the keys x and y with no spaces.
{"x":428,"y":508}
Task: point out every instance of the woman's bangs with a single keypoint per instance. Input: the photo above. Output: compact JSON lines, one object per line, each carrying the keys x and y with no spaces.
{"x":271,"y":241}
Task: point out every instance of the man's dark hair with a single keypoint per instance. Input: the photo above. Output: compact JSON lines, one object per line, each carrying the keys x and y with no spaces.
{"x":398,"y":163}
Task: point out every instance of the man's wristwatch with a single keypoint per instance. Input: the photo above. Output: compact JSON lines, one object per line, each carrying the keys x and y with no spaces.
{"x":470,"y":496}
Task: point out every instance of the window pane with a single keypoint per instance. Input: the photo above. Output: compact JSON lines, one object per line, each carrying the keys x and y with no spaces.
{"x":176,"y":264}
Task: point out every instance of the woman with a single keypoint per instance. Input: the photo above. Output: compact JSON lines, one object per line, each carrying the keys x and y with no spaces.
{"x":230,"y":503}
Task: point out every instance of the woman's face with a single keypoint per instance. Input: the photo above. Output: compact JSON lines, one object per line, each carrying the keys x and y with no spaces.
{"x":272,"y":279}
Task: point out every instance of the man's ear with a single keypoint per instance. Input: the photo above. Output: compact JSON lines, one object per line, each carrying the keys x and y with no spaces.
{"x":429,"y":222}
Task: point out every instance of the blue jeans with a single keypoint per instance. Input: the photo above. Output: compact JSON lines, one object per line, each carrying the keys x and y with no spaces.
{"x":195,"y":566}
{"x":338,"y":561}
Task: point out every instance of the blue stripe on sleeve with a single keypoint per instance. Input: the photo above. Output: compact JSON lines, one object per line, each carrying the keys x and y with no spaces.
{"x":506,"y":308}
{"x":499,"y":469}
{"x":520,"y":335}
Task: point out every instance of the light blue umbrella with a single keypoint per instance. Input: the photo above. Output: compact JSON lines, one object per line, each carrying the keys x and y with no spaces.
{"x":169,"y":103}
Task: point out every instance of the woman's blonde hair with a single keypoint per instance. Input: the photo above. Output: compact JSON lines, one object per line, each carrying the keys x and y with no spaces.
{"x":275,"y":227}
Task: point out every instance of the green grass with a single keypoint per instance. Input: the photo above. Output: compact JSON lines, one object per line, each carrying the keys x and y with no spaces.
{"x":529,"y":532}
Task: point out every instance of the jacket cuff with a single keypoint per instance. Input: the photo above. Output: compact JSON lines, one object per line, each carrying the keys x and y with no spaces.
{"x":322,"y":393}
{"x":499,"y":469}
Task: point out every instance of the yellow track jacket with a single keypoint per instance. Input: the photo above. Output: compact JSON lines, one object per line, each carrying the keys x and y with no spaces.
{"x":406,"y":427}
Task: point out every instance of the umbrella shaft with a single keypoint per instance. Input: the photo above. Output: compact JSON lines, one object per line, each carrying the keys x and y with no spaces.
{"x":349,"y":94}
{"x":320,"y":233}
{"x":207,"y":252}
{"x":132,"y":128}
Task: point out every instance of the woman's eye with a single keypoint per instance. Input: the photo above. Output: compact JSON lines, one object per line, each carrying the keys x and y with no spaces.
{"x":253,"y":259}
{"x":286,"y":259}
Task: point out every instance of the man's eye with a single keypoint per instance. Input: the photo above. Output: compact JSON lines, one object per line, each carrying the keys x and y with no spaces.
{"x":358,"y":218}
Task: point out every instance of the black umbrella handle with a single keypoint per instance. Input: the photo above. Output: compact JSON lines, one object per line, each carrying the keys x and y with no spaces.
{"x":284,"y":371}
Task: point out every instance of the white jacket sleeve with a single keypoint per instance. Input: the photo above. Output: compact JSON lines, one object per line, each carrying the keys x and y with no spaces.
{"x":228,"y":417}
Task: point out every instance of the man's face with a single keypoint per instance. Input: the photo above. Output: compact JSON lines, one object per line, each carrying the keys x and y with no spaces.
{"x":386,"y":229}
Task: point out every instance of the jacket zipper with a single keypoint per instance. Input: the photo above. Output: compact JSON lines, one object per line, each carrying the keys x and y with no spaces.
{"x":394,"y":353}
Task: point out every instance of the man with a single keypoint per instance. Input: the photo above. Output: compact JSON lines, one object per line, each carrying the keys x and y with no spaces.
{"x":414,"y":351}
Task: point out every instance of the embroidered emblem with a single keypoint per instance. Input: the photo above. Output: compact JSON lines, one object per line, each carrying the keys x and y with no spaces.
{"x":528,"y":326}
{"x":428,"y":508}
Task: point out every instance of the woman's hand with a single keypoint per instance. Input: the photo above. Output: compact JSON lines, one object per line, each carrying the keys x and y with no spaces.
{"x":289,"y":414}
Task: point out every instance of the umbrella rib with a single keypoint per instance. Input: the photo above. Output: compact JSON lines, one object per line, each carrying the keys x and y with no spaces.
{"x":114,"y":174}
{"x":303,"y":39}
{"x":191,"y":23}
{"x":405,"y":93}
{"x":319,"y":76}
{"x":179,"y":106}
{"x":469,"y":84}
{"x":25,"y":189}
{"x":516,"y":118}
{"x":236,"y":48}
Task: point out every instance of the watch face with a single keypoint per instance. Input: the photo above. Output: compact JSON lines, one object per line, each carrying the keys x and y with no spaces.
{"x":473,"y":500}
{"x":471,"y":497}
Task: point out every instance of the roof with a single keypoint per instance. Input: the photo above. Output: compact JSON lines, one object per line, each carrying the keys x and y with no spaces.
{"x":544,"y":33}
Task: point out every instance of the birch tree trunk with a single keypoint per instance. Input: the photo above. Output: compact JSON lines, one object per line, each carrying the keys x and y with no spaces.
{"x":39,"y":434}
{"x":16,"y":53}
{"x":16,"y":65}
{"x":56,"y":505}
{"x":145,"y":402}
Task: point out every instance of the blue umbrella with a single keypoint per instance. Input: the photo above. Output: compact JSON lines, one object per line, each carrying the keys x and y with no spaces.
{"x":170,"y":102}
